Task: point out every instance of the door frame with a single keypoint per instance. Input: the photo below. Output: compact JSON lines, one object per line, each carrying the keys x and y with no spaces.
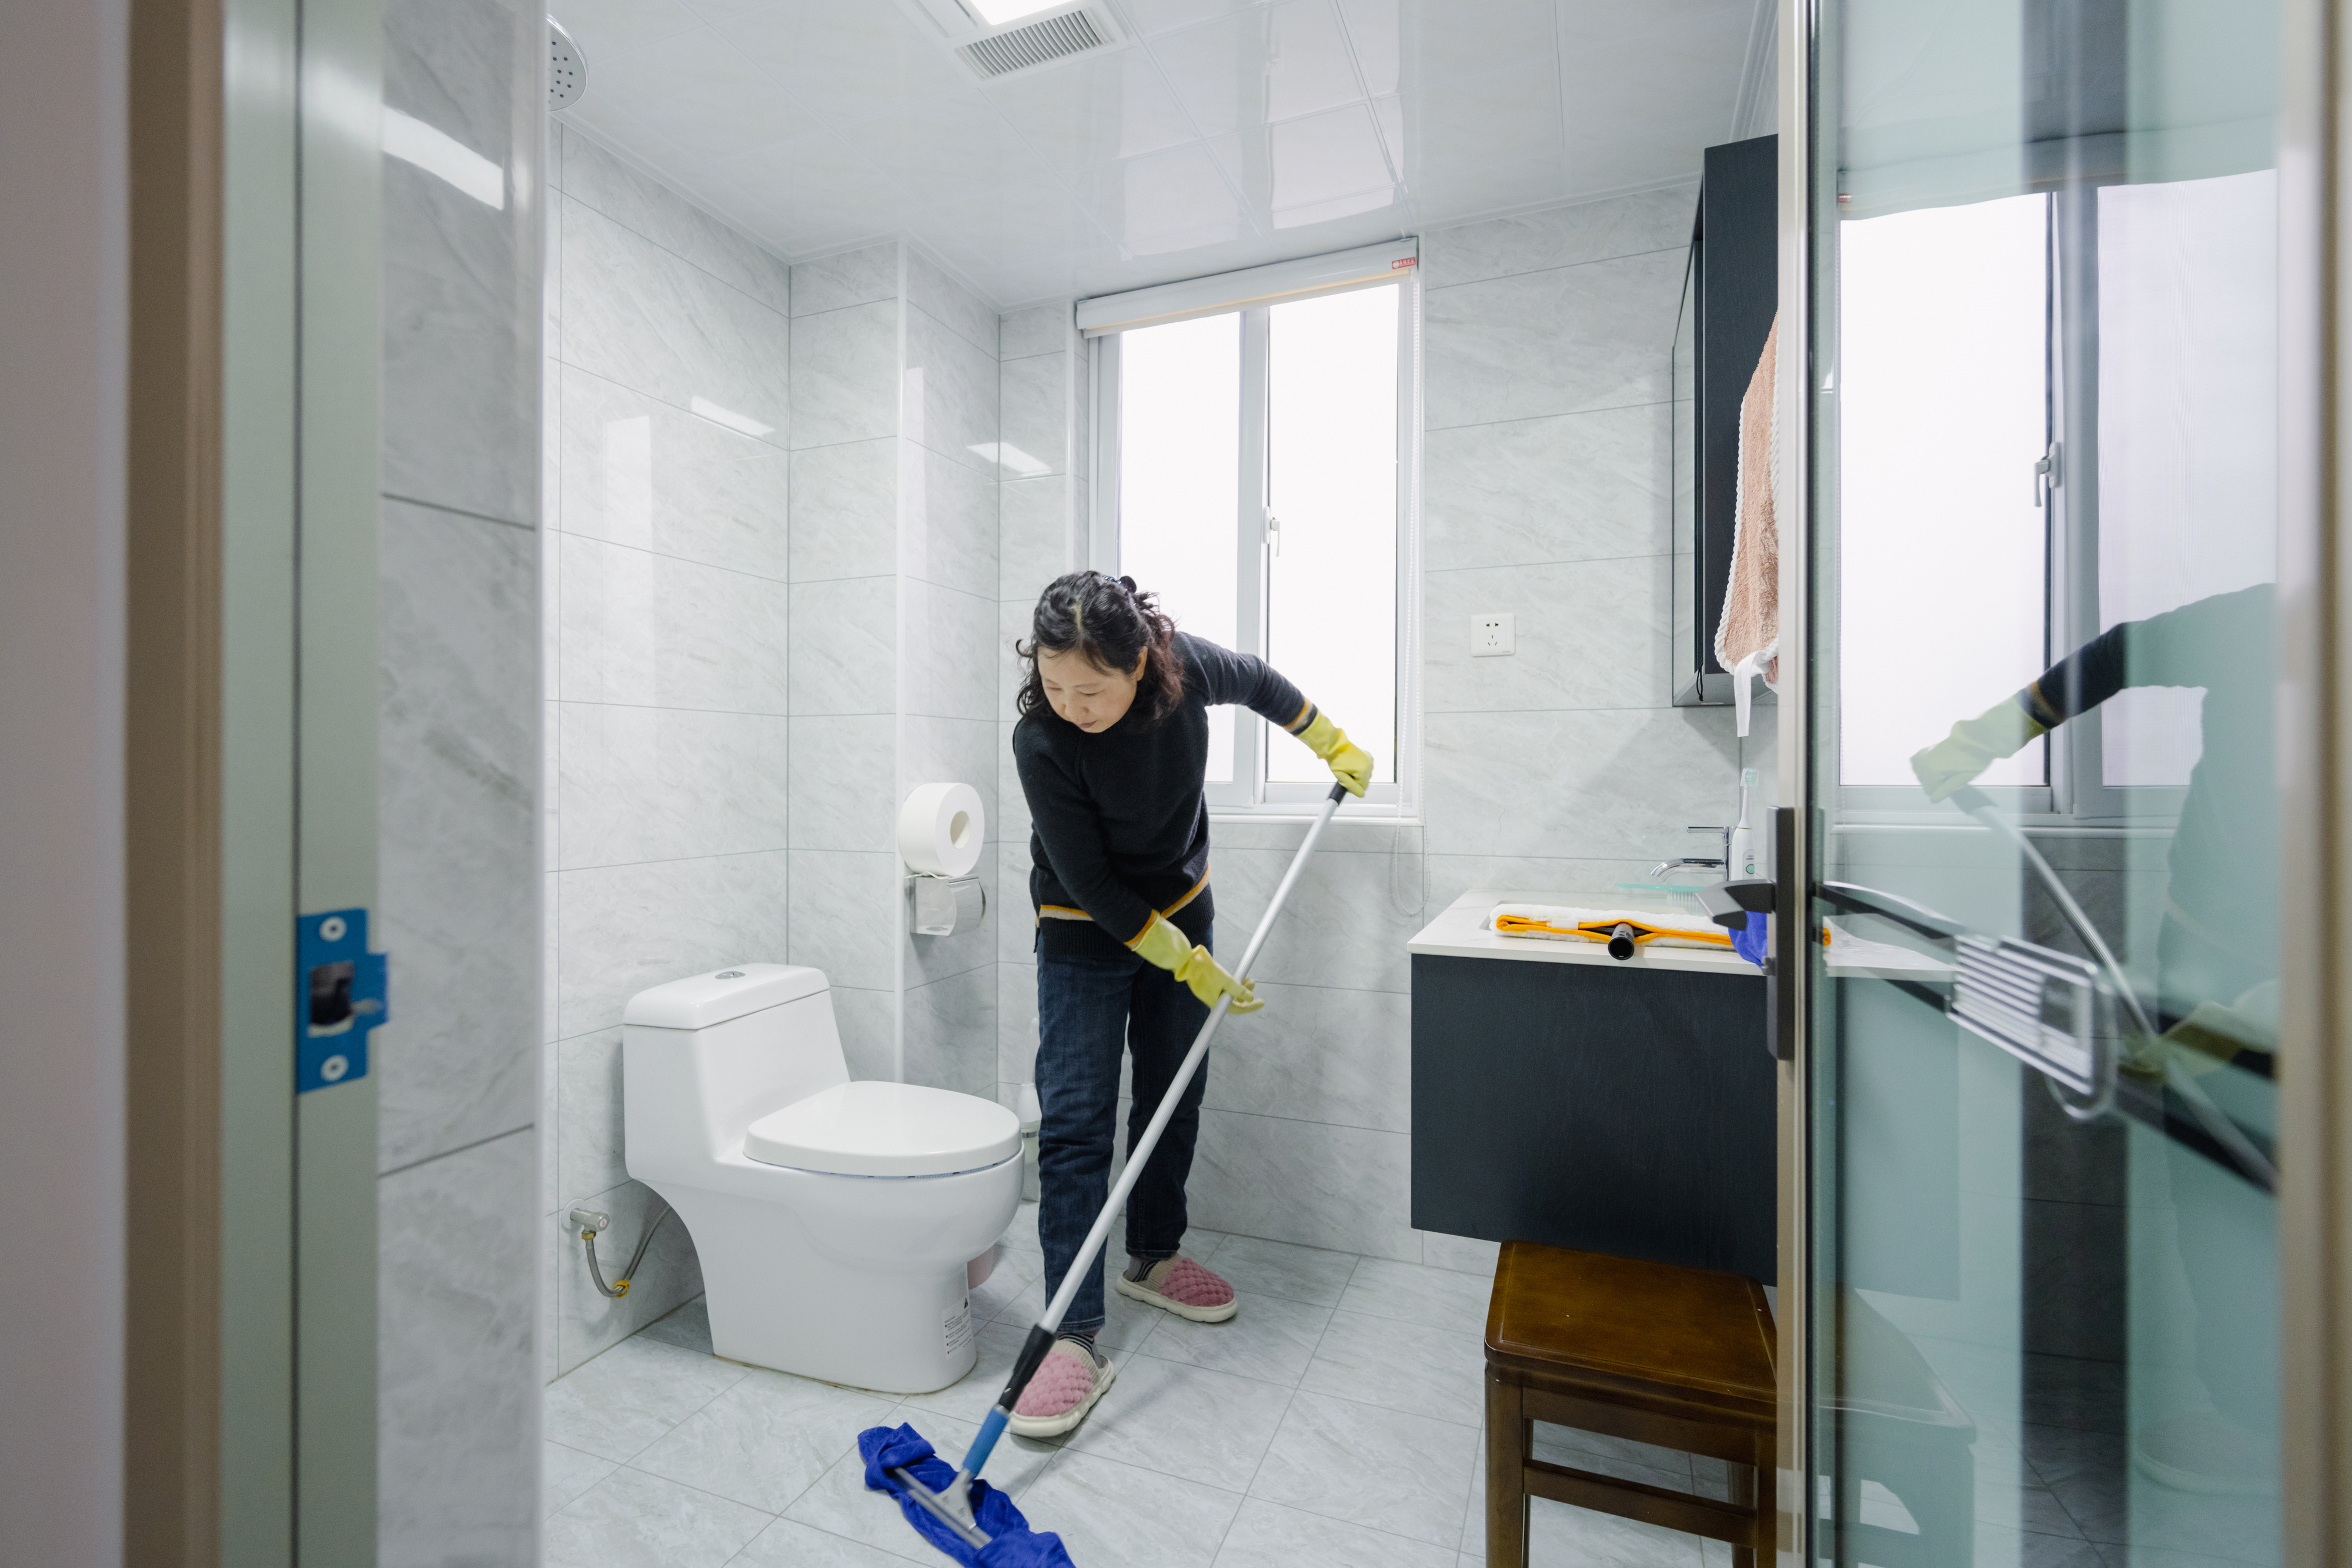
{"x":2314,"y":763}
{"x":253,"y":355}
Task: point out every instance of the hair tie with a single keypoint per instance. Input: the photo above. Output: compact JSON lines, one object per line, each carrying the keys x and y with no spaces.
{"x":1128,"y":583}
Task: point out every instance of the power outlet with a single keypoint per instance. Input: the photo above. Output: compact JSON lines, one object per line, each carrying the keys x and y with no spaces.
{"x":1493,"y":635}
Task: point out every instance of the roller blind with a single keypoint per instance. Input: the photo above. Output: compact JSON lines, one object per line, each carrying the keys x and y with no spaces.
{"x":1270,"y":284}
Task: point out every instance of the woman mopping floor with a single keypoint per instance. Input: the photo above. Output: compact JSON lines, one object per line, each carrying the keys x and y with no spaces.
{"x":1112,"y":744}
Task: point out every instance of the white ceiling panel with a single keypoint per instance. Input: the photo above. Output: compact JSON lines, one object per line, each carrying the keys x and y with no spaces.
{"x":604,"y":26}
{"x":849,"y":61}
{"x":1319,"y":159}
{"x":1375,"y":32}
{"x":1020,"y":217}
{"x":1095,"y":109}
{"x":958,"y":143}
{"x":1442,"y":42}
{"x":699,"y":93}
{"x":1164,"y":201}
{"x":1511,"y":106}
{"x":1256,"y":66}
{"x":1164,"y":15}
{"x":1218,"y":134}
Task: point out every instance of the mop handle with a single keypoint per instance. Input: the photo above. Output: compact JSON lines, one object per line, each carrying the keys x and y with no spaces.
{"x":1041,"y":1334}
{"x":1142,"y":1152}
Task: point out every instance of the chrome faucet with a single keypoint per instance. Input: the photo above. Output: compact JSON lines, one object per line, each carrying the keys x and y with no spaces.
{"x":1721,"y":865}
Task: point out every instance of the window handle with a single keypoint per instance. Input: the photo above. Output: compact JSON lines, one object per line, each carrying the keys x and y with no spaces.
{"x":1273,"y":533}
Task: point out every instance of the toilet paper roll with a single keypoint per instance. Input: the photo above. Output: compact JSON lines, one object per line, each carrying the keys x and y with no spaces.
{"x":940,"y":828}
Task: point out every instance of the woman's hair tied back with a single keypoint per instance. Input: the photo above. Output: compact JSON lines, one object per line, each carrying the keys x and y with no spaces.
{"x":1112,"y":624}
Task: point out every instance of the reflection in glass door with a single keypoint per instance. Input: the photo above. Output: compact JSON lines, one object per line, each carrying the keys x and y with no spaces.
{"x":2043,"y":1005}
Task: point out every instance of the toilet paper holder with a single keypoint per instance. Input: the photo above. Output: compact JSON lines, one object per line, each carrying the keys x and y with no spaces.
{"x":942,"y":830}
{"x":947,"y":906}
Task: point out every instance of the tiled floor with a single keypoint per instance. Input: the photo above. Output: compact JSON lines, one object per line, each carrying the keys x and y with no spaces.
{"x":1335,"y":1421}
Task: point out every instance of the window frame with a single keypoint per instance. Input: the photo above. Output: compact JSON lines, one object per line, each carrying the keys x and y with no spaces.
{"x":1250,"y":795}
{"x":2074,"y":792}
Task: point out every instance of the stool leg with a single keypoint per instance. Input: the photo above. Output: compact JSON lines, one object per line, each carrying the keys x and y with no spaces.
{"x":1508,"y":1439}
{"x":1740,"y":1480}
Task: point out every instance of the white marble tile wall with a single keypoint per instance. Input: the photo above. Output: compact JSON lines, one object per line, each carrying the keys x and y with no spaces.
{"x":1041,"y":497}
{"x":893,"y":568}
{"x":459,"y":781}
{"x":848,"y":476}
{"x":669,"y":588}
{"x":949,"y":419}
{"x":1543,"y":494}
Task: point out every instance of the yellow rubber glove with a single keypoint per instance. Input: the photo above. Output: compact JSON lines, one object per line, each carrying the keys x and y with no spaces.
{"x":1351,"y":764}
{"x":1975,"y":745}
{"x":1163,"y":945}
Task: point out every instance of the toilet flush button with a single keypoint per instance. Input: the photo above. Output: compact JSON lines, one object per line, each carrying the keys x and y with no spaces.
{"x":728,"y":975}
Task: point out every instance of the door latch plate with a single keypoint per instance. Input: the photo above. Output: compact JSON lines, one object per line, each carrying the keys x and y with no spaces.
{"x":340,"y":996}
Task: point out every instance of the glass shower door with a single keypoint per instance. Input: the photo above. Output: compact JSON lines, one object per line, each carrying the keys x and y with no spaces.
{"x":2041,"y":975}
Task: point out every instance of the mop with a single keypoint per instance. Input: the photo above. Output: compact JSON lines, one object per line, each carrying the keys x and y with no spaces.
{"x":960,"y":1514}
{"x":2216,"y":1121}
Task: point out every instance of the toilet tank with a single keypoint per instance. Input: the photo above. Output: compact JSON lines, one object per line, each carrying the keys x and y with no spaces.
{"x":703,"y":1058}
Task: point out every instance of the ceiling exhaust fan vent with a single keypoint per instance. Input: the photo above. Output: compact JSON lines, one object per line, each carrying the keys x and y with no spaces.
{"x":1078,"y":32}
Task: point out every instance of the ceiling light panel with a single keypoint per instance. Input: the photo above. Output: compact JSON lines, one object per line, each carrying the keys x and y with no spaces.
{"x":1002,"y":12}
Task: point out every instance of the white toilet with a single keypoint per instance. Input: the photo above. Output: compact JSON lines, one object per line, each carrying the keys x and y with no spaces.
{"x":835,"y":1220}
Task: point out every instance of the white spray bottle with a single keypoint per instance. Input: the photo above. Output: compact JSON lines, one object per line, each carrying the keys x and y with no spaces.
{"x":1743,"y":841}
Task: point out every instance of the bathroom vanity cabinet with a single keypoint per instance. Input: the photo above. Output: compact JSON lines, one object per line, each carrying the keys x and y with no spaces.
{"x":1564,"y":1097}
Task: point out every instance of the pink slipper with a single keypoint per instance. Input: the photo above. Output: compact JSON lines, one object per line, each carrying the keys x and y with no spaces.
{"x":1184,"y":1288}
{"x":1063,"y":1389}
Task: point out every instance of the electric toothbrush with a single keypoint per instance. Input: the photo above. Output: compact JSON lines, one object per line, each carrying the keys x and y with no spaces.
{"x":1743,"y":842}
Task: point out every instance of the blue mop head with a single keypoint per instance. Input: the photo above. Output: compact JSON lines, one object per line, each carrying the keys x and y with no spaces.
{"x":1011,"y":1543}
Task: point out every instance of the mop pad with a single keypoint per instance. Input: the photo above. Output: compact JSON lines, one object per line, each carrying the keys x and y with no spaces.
{"x":1011,"y":1543}
{"x":1559,"y":923}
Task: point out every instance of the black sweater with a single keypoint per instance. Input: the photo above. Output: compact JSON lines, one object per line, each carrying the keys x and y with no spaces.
{"x":2223,"y":881}
{"x":1118,"y":826}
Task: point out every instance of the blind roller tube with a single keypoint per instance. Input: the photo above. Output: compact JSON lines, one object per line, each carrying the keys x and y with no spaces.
{"x":1270,"y":284}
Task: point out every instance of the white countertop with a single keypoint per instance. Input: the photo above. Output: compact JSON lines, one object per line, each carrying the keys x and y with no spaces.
{"x":1460,"y":932}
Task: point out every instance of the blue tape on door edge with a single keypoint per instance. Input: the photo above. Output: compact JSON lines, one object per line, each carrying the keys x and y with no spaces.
{"x":340,"y":996}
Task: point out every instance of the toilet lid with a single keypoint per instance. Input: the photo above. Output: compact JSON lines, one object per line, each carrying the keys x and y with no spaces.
{"x":875,"y":1129}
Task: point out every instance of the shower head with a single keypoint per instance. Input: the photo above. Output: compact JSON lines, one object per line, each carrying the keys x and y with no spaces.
{"x":567,"y":70}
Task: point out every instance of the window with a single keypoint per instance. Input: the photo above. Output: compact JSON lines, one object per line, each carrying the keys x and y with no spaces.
{"x":1944,"y":368}
{"x":1255,"y":469}
{"x":2032,"y":450}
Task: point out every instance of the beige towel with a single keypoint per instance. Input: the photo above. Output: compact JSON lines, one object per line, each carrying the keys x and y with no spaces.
{"x":1751,"y":602}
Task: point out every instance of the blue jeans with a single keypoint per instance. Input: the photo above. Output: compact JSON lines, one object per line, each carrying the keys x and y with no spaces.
{"x":1090,"y":1009}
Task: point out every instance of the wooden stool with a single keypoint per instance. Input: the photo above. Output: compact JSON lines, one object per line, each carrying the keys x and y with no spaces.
{"x":1681,"y":1358}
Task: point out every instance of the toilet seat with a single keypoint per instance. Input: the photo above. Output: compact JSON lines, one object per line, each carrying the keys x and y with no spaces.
{"x":880,"y":1129}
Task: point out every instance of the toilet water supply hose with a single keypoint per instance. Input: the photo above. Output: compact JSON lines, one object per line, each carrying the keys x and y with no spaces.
{"x":954,"y":1505}
{"x":591,"y":1223}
